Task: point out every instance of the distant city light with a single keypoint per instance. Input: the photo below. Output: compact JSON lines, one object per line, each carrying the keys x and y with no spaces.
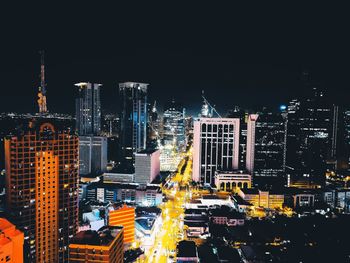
{"x":283,"y":107}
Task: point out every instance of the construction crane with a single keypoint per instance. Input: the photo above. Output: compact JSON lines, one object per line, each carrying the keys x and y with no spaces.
{"x":42,"y":88}
{"x":206,"y":102}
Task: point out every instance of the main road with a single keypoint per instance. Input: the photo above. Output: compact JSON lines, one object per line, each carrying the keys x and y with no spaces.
{"x":172,"y":229}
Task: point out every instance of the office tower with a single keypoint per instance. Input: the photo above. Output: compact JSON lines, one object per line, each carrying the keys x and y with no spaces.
{"x":147,"y":166}
{"x":133,"y":121}
{"x":309,"y":136}
{"x":242,"y":115}
{"x":154,"y":124}
{"x":270,"y":144}
{"x":174,"y":127}
{"x":42,"y":188}
{"x":88,"y":109}
{"x":346,"y":136}
{"x":103,"y":246}
{"x":250,"y":146}
{"x":110,"y":125}
{"x":92,"y":155}
{"x":11,"y":242}
{"x":124,"y":216}
{"x":215,"y":147}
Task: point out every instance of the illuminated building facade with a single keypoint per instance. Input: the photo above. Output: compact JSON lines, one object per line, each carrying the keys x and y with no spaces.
{"x":270,"y":145}
{"x":147,"y":166}
{"x":103,"y":246}
{"x":124,"y":216}
{"x":229,"y":180}
{"x":259,"y":198}
{"x":310,"y":136}
{"x":88,"y":109}
{"x":250,"y":145}
{"x":11,"y":242}
{"x":215,"y":147}
{"x":133,"y":121}
{"x":42,"y":189}
{"x":174,"y":132}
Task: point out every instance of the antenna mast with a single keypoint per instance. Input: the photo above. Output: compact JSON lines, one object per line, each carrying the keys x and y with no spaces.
{"x":42,"y":89}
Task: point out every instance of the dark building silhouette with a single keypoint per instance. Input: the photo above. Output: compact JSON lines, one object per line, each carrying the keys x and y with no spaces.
{"x":270,"y":144}
{"x":311,"y":133}
{"x":133,"y":121}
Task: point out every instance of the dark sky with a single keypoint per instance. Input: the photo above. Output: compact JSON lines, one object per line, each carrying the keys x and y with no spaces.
{"x":238,"y":57}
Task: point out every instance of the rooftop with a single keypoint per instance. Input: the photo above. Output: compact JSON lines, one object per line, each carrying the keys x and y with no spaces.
{"x":146,"y":222}
{"x":186,"y":249}
{"x":103,"y":237}
{"x":147,"y":151}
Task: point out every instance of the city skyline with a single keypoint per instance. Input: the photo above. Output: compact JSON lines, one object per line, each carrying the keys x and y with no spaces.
{"x":170,"y":135}
{"x":186,"y":72}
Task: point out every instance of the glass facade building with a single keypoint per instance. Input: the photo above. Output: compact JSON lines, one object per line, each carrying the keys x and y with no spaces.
{"x":88,"y":109}
{"x":133,"y":121}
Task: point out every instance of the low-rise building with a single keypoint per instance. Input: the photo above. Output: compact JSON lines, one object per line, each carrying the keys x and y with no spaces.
{"x":141,"y":195}
{"x":196,"y":229}
{"x":123,"y":216}
{"x":11,"y":242}
{"x":265,"y":199}
{"x":226,"y":216}
{"x":187,"y":252}
{"x":240,"y":204}
{"x":104,"y":245}
{"x":338,"y":198}
{"x":229,"y":180}
{"x":210,"y":201}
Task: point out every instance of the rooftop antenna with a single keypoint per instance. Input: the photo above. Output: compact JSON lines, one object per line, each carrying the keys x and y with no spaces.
{"x":42,"y":89}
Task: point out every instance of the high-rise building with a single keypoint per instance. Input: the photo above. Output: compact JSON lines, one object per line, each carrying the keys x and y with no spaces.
{"x":104,"y":246}
{"x":11,"y":242}
{"x":147,"y":166}
{"x":242,"y":115}
{"x":215,"y":147}
{"x":124,"y":216}
{"x":250,"y":145}
{"x":88,"y":109}
{"x":133,"y":121}
{"x":174,"y":132}
{"x":270,"y":144}
{"x":309,"y":136}
{"x":42,"y":188}
{"x":92,"y":155}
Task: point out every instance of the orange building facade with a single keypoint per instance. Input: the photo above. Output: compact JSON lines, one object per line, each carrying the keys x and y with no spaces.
{"x":11,"y":242}
{"x":41,"y":188}
{"x":104,"y":246}
{"x":124,"y":216}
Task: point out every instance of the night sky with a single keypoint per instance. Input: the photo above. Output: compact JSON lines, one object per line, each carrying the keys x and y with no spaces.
{"x":249,"y":60}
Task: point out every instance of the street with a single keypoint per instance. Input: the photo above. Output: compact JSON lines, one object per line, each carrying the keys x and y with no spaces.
{"x":172,"y":229}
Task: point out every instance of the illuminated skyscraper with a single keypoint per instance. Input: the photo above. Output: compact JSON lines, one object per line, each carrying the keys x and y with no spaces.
{"x":124,"y":216}
{"x":133,"y":121}
{"x":270,"y":144}
{"x":310,"y":136}
{"x":11,"y":242}
{"x":174,"y":127}
{"x":215,"y":147}
{"x":42,"y":188}
{"x":88,"y":109}
{"x":103,"y":246}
